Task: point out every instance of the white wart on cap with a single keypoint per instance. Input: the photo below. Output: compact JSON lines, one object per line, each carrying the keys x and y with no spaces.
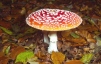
{"x":53,"y":20}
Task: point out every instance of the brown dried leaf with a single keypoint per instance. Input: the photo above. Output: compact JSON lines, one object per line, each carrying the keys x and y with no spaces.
{"x":5,"y":24}
{"x":16,"y":51}
{"x":57,"y":57}
{"x":3,"y":60}
{"x":88,"y":27}
{"x":76,"y":6}
{"x":51,"y":6}
{"x":98,"y":11}
{"x":85,"y":34}
{"x":1,"y":32}
{"x":99,"y":24}
{"x":65,"y":33}
{"x":74,"y":62}
{"x":8,"y":18}
{"x":1,"y":54}
{"x":78,"y":41}
{"x":84,"y":7}
{"x":95,"y":16}
{"x":42,"y":55}
{"x":45,"y":62}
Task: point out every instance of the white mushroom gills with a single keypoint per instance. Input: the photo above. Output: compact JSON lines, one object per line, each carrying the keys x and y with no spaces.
{"x":53,"y":20}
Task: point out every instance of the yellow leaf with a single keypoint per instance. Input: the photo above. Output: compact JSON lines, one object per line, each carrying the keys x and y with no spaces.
{"x":57,"y":57}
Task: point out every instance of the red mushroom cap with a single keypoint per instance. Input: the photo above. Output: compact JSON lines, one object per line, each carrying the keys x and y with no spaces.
{"x":53,"y":20}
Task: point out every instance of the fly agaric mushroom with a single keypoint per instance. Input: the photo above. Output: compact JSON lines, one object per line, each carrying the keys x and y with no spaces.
{"x":53,"y":20}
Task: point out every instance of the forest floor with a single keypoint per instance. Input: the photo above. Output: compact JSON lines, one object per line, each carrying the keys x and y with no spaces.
{"x":22,"y":44}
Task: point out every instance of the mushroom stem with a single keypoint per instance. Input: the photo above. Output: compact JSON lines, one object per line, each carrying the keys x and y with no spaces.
{"x":53,"y":42}
{"x":46,"y":39}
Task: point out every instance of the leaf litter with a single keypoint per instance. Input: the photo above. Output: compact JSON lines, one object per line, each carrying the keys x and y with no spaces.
{"x":77,"y":46}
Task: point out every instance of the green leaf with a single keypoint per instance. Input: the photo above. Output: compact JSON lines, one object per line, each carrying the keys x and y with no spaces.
{"x":6,"y":30}
{"x":92,"y":21}
{"x":87,"y":58}
{"x":7,"y":50}
{"x":74,"y":35}
{"x":30,"y":30}
{"x":98,"y":40}
{"x":24,"y":56}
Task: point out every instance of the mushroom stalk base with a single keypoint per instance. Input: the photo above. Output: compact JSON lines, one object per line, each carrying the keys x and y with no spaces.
{"x":53,"y":42}
{"x":52,"y":47}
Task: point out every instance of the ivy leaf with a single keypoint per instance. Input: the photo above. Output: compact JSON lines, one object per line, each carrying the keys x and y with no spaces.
{"x":24,"y":56}
{"x":86,"y":58}
{"x":6,"y":30}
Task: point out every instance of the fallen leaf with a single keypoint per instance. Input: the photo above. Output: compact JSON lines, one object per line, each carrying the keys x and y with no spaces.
{"x":30,"y":30}
{"x":86,"y":35}
{"x":74,"y":62}
{"x":6,"y":30}
{"x":1,"y":32}
{"x":57,"y":57}
{"x":1,"y":54}
{"x":6,"y":51}
{"x":3,"y":60}
{"x":24,"y":56}
{"x":94,"y":16}
{"x":99,"y":24}
{"x":84,"y":8}
{"x":16,"y":51}
{"x":23,"y":11}
{"x":88,"y":28}
{"x":5,"y":24}
{"x":8,"y":18}
{"x":98,"y":11}
{"x":45,"y":62}
{"x":74,"y":35}
{"x":86,"y":58}
{"x":77,"y":41}
{"x":98,"y":40}
{"x":65,"y":33}
{"x":51,"y":6}
{"x":41,"y":55}
{"x":1,"y":47}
